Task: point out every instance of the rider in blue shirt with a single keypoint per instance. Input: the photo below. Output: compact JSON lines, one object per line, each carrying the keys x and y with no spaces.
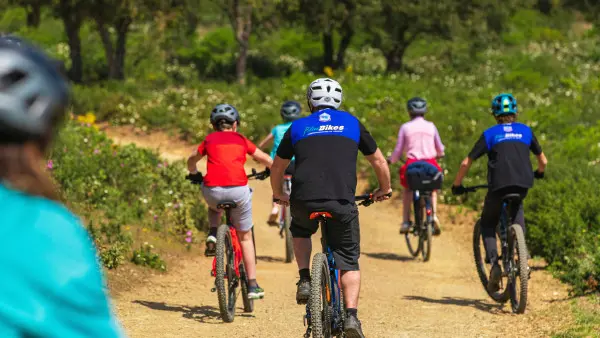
{"x":52,"y":284}
{"x":290,"y":111}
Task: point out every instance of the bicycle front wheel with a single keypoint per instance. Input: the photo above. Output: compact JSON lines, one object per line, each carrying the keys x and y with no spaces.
{"x":501,"y":296}
{"x":226,"y":279}
{"x":319,"y":302}
{"x":413,"y":237}
{"x":289,"y":244}
{"x":425,"y":241}
{"x":519,"y":270}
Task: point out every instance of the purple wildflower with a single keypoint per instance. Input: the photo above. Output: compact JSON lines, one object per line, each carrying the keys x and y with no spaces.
{"x":96,"y":151}
{"x":188,"y":239}
{"x":189,"y":233}
{"x":50,"y":165}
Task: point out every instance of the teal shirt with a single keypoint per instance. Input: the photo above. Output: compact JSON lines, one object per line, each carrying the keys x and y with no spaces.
{"x":51,"y":284}
{"x":278,"y":132}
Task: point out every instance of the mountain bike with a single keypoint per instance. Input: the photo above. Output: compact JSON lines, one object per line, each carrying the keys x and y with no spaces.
{"x":325,"y":311}
{"x":228,"y":264}
{"x":513,"y":256}
{"x":419,"y":237}
{"x":285,"y":221}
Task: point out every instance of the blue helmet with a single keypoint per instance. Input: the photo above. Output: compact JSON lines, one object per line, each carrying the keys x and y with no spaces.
{"x":417,"y":106}
{"x":504,"y":104}
{"x":225,"y":112}
{"x":290,"y":111}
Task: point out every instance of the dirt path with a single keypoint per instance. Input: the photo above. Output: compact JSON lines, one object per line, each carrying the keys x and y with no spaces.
{"x":400,"y":297}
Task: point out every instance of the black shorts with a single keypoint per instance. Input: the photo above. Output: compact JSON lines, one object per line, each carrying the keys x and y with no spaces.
{"x":342,"y":233}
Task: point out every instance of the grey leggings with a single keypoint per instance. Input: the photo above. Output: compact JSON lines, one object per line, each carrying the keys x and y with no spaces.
{"x":241,"y":217}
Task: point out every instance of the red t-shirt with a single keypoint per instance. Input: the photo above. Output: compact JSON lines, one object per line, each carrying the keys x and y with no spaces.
{"x":226,"y":152}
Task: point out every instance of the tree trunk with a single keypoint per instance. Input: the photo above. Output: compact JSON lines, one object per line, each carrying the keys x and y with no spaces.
{"x":344,"y":43}
{"x":328,"y":49}
{"x":243,"y":21}
{"x":122,"y":29}
{"x":72,"y":21}
{"x":34,"y":14}
{"x":108,"y":46}
{"x":394,"y":59}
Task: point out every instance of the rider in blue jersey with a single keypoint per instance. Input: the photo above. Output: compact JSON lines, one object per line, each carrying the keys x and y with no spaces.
{"x":52,"y":283}
{"x":290,"y":111}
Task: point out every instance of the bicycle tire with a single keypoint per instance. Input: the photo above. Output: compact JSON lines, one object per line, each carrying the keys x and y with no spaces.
{"x":519,"y":304}
{"x":319,"y":304}
{"x":248,"y":303}
{"x":342,"y":309}
{"x":479,"y":257}
{"x":415,"y":232}
{"x":225,"y":260}
{"x":289,"y":244}
{"x":426,"y":238}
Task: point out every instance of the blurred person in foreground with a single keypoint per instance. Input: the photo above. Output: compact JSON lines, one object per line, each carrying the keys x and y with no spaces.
{"x":52,"y":283}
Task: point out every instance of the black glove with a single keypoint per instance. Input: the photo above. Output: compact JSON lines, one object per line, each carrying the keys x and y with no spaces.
{"x":196,"y":178}
{"x":538,"y":174}
{"x":458,"y":190}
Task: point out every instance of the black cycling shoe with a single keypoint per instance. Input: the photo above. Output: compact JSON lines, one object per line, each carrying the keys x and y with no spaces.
{"x":352,"y":327}
{"x":495,"y":278}
{"x":303,"y":291}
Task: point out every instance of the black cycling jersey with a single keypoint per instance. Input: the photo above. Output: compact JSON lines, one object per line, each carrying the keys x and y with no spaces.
{"x":508,"y":146}
{"x":325,"y":145}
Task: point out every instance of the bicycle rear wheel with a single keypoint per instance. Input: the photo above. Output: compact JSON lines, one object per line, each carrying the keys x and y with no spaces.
{"x":425,"y":241}
{"x":289,"y":244}
{"x":501,"y":296}
{"x":519,"y":271}
{"x":413,"y":237}
{"x":319,"y":302}
{"x":226,"y":279}
{"x":248,"y":303}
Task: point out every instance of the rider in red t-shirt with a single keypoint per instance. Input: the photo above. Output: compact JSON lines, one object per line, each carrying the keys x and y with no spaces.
{"x":226,"y":180}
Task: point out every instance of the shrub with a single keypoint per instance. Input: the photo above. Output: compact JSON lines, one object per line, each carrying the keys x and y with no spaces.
{"x":146,"y":257}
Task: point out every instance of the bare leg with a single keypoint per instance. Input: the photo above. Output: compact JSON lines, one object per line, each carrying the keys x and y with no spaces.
{"x":351,"y":288}
{"x":302,"y":251}
{"x":434,"y":202}
{"x":406,"y":201}
{"x":248,"y":253}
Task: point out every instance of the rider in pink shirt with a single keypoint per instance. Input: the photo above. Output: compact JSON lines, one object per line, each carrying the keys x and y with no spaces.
{"x":420,"y":141}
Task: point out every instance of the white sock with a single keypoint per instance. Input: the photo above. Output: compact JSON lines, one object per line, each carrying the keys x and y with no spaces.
{"x":275,"y":210}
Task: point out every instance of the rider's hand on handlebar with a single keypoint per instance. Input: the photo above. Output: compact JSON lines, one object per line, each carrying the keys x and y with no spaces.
{"x":458,"y":190}
{"x":382,"y":195}
{"x":283,"y":199}
{"x":538,"y":174}
{"x":196,"y":178}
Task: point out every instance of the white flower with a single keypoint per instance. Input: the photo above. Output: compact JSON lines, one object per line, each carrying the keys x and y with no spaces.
{"x":145,"y":201}
{"x":85,"y":140}
{"x":170,"y":192}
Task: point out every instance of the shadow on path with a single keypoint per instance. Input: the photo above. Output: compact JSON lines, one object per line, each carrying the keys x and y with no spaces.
{"x":204,"y":314}
{"x":475,"y":303}
{"x":270,"y":259}
{"x":388,"y":256}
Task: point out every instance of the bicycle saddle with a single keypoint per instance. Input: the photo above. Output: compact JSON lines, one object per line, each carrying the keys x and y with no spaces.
{"x":318,"y":214}
{"x":512,"y":198}
{"x":226,"y":205}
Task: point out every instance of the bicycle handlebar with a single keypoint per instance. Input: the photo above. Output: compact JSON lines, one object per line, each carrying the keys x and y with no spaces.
{"x":476,"y":187}
{"x":263,"y":175}
{"x":367,"y":199}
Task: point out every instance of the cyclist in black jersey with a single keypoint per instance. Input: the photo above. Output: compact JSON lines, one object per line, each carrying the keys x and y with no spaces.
{"x":325,"y":146}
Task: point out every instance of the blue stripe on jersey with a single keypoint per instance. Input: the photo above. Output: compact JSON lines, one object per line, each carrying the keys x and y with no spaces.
{"x":509,"y":132}
{"x":327,"y":122}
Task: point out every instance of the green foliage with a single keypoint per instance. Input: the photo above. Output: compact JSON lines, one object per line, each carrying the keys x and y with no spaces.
{"x":120,"y":188}
{"x":146,"y":257}
{"x":587,"y":318}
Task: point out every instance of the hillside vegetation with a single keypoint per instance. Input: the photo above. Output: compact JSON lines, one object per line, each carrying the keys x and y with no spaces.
{"x":172,"y":77}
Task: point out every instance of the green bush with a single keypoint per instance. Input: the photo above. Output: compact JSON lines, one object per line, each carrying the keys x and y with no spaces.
{"x":146,"y":257}
{"x":119,"y":188}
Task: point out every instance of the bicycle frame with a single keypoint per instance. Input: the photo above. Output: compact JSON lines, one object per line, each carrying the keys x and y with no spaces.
{"x":418,"y":198}
{"x":287,"y":189}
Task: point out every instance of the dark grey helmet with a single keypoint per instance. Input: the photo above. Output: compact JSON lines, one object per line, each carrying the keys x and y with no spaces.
{"x":33,"y":94}
{"x":225,"y":112}
{"x":290,"y":110}
{"x":417,"y":106}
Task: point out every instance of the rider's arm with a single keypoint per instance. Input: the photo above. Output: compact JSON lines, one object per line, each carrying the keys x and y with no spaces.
{"x":439,"y":146}
{"x":265,"y":140}
{"x":399,"y":149}
{"x":368,"y":147}
{"x":382,"y":171}
{"x":193,"y":159}
{"x":478,"y":150}
{"x":536,"y":149}
{"x":262,"y":158}
{"x":285,"y":152}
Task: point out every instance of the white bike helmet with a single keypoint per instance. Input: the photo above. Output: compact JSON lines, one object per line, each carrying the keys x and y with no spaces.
{"x":324,"y":92}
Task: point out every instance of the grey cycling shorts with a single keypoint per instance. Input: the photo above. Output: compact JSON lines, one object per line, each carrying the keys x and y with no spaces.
{"x":241,"y":217}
